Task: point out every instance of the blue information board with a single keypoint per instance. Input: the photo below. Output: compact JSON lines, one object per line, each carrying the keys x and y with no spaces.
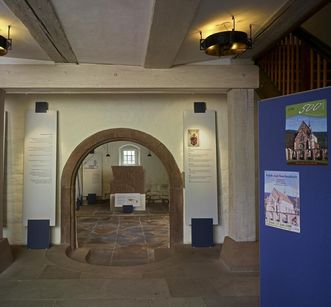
{"x":295,"y":267}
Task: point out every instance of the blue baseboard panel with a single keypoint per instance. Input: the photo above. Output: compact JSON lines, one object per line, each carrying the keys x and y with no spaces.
{"x":38,"y":234}
{"x":202,"y":232}
{"x":91,"y":198}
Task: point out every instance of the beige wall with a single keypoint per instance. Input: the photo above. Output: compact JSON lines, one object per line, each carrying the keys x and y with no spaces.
{"x":155,"y":173}
{"x":82,"y":115}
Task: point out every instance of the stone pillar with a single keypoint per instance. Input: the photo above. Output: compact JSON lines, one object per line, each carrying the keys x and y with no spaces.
{"x":6,"y":257}
{"x":2,"y":170}
{"x":242,"y":161}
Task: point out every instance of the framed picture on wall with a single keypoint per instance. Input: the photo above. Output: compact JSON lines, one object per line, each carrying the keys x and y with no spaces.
{"x":193,"y":138}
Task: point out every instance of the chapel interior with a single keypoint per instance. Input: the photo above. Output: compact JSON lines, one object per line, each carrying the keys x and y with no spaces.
{"x":130,"y":157}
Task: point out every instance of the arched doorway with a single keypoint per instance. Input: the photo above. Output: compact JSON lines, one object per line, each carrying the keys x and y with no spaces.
{"x":68,"y":221}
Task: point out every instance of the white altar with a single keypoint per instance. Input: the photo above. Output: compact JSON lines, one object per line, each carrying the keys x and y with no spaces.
{"x":137,"y":200}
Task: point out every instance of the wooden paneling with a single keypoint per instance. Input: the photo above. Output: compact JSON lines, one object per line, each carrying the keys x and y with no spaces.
{"x":291,"y":14}
{"x":294,"y":66}
{"x":128,"y":179}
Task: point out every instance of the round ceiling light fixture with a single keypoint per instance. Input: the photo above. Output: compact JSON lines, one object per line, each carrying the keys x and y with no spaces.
{"x":226,"y":42}
{"x":5,"y":43}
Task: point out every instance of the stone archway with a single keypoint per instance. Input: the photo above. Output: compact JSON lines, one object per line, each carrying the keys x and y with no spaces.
{"x":68,"y":220}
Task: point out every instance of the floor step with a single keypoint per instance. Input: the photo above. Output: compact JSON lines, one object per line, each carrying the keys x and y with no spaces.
{"x":80,"y":254}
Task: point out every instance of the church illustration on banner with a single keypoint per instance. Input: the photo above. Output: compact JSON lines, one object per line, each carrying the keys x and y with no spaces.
{"x":282,"y":200}
{"x":282,"y":211}
{"x":305,"y":146}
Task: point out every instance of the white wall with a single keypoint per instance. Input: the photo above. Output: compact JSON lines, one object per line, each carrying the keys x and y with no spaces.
{"x":92,"y":167}
{"x":155,"y":173}
{"x":83,"y":115}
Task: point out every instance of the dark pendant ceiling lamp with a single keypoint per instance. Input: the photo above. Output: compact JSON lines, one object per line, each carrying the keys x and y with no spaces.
{"x":5,"y":43}
{"x":226,"y":42}
{"x":108,"y":155}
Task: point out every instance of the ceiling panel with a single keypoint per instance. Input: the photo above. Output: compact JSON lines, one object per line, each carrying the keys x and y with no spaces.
{"x":106,"y":31}
{"x":24,"y":45}
{"x":319,"y":25}
{"x":117,"y":31}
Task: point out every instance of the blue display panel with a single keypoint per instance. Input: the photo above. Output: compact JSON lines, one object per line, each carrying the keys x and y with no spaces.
{"x":295,"y":267}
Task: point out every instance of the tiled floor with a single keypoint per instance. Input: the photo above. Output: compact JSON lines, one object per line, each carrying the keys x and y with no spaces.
{"x":180,"y":277}
{"x":121,"y":239}
{"x":188,"y":277}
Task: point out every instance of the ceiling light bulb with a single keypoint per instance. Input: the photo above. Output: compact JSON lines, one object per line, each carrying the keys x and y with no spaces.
{"x":234,"y":46}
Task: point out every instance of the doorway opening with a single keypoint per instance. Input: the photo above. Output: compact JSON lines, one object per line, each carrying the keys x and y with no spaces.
{"x":122,"y":205}
{"x":71,"y":168}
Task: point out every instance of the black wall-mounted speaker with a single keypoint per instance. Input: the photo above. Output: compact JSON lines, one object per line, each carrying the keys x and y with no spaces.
{"x":199,"y":107}
{"x":41,"y":107}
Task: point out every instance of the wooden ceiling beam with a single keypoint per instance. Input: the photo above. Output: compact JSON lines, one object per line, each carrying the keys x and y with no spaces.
{"x":290,"y":16}
{"x":170,"y":24}
{"x":91,"y":78}
{"x":41,"y":20}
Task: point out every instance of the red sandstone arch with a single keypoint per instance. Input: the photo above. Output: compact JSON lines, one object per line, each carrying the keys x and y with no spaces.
{"x":68,"y":220}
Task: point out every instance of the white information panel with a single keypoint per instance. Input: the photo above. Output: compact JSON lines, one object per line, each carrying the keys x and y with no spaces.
{"x":39,"y":196}
{"x":200,"y":166}
{"x":92,"y":174}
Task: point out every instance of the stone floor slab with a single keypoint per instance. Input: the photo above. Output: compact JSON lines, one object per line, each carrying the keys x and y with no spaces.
{"x":136,"y":288}
{"x":237,"y":286}
{"x":231,"y":301}
{"x":106,"y":275}
{"x":25,"y":256}
{"x":104,"y":303}
{"x":22,"y":272}
{"x":179,"y":302}
{"x":27,"y":303}
{"x":6,"y":286}
{"x":171,"y":302}
{"x":55,"y":289}
{"x":189,"y":287}
{"x":55,"y":272}
{"x":186,"y":269}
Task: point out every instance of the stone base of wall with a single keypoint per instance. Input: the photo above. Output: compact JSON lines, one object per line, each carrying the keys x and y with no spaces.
{"x":240,"y":256}
{"x":6,"y":256}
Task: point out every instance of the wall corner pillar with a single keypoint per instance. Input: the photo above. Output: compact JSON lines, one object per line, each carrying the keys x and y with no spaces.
{"x":2,"y":156}
{"x":6,"y":257}
{"x":242,"y":160}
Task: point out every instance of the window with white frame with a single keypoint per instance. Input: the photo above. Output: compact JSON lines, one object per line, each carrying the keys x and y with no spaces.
{"x":129,"y":155}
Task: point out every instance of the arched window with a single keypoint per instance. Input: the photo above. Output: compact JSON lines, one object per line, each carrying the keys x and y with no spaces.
{"x":129,"y":155}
